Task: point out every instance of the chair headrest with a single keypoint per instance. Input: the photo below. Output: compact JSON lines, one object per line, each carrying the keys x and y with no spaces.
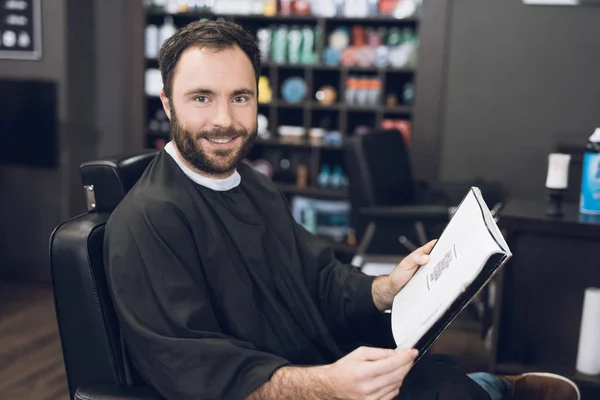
{"x":106,"y":181}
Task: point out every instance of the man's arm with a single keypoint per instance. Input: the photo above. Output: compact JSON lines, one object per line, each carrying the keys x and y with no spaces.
{"x":365,"y":373}
{"x":294,"y":383}
{"x":344,"y":295}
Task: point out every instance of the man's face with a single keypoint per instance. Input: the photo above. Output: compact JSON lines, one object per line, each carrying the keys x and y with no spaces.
{"x":213,"y":108}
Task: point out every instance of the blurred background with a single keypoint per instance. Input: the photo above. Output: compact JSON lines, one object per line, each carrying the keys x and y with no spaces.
{"x":478,"y":92}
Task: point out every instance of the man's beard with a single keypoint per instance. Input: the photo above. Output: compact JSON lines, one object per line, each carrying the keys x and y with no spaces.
{"x":218,"y":162}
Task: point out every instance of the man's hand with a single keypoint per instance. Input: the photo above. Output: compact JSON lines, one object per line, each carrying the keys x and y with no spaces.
{"x":386,"y":287}
{"x":369,"y":373}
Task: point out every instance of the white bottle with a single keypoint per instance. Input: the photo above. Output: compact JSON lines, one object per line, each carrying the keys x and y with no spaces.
{"x":166,"y":31}
{"x":173,"y":6}
{"x":151,"y":41}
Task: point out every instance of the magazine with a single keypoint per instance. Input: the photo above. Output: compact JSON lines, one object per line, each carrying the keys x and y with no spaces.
{"x":468,"y":253}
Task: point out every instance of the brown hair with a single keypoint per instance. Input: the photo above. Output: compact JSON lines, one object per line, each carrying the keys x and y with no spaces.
{"x":217,"y":35}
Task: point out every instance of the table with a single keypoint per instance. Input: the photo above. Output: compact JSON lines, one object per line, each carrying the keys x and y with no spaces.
{"x":540,"y":297}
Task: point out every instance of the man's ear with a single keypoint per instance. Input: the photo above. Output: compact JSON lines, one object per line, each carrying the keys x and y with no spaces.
{"x":165,"y":103}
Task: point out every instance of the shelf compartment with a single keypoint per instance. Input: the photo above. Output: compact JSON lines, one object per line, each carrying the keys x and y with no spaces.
{"x":299,"y":143}
{"x":283,"y":18}
{"x":314,"y":192}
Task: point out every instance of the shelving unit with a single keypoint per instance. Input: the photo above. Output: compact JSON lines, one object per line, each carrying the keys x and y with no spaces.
{"x":346,"y":119}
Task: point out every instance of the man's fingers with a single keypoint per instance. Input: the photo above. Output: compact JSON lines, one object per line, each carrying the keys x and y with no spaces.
{"x":421,"y":255}
{"x":373,"y":353}
{"x":390,"y":366}
{"x":428,"y":246}
{"x":389,"y":383}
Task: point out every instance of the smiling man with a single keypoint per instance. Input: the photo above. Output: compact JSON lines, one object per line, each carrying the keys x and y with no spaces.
{"x":212,"y":103}
{"x":220,"y":293}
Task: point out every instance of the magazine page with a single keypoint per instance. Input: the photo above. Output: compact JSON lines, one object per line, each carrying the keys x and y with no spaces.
{"x":456,"y":259}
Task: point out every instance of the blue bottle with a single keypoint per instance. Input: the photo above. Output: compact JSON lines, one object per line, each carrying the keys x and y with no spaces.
{"x":337,"y":178}
{"x":310,"y":218}
{"x":590,"y":177}
{"x":324,"y":178}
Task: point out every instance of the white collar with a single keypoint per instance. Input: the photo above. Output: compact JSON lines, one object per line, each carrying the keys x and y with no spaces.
{"x":212,"y":183}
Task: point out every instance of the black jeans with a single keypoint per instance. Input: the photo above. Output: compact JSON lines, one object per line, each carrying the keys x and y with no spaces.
{"x":440,"y":378}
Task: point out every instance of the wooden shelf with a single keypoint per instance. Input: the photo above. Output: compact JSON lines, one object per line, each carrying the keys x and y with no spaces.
{"x":577,"y":377}
{"x":282,"y":18}
{"x":333,"y":107}
{"x":300,"y":143}
{"x":340,"y":107}
{"x":398,"y":110}
{"x":315,"y":192}
{"x":153,"y":63}
{"x":340,"y":67}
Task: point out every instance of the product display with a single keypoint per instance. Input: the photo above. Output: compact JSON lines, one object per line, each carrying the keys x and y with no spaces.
{"x":159,"y":124}
{"x":368,"y":46}
{"x":590,"y":178}
{"x":588,"y":349}
{"x":332,"y":178}
{"x":326,"y":95}
{"x":291,"y":132}
{"x":288,"y":44}
{"x":361,"y":91}
{"x":323,"y":78}
{"x":293,"y":90}
{"x":404,"y":126}
{"x":263,"y":38}
{"x":321,"y":8}
{"x":265,"y":94}
{"x":302,"y":176}
{"x":153,"y":82}
{"x":323,"y":217}
{"x":408,"y":94}
{"x":263,"y":166}
{"x":263,"y":126}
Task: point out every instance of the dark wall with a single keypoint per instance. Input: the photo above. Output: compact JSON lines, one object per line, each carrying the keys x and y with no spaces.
{"x":33,"y":200}
{"x":87,"y":51}
{"x":519,"y":80}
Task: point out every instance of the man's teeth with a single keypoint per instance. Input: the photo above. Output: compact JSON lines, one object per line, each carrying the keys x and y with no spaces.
{"x":221,"y":140}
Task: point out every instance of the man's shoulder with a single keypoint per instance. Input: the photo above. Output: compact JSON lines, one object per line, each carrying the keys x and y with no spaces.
{"x":147,"y":201}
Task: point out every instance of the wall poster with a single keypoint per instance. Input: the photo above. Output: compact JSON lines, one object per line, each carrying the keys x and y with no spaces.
{"x":20,"y":29}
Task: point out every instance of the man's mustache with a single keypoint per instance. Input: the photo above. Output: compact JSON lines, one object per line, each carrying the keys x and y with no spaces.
{"x":221,"y":134}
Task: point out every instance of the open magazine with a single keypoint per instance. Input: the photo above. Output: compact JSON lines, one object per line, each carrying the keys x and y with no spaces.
{"x":468,"y":253}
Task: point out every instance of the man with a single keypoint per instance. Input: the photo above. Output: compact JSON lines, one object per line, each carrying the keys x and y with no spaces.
{"x":220,"y":293}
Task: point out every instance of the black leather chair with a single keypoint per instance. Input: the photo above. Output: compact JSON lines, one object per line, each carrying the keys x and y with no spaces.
{"x":393,"y":213}
{"x":389,"y":205}
{"x":95,"y":359}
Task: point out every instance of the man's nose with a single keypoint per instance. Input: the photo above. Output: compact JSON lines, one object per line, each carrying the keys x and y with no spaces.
{"x":222,"y":117}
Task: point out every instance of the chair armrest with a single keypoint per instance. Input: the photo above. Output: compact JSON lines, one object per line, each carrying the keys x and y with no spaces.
{"x":419,"y":212}
{"x":115,"y":392}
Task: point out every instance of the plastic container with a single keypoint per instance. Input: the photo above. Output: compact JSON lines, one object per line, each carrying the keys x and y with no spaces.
{"x":310,"y":218}
{"x":590,"y":177}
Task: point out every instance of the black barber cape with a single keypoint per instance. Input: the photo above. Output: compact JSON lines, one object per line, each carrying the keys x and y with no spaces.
{"x":216,"y":290}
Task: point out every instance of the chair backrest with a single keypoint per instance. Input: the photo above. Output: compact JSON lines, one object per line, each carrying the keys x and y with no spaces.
{"x":379,"y":171}
{"x":378,"y":167}
{"x":88,"y":326}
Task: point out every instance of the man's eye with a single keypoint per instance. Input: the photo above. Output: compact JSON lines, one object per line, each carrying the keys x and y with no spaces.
{"x":201,"y":99}
{"x":240,"y":99}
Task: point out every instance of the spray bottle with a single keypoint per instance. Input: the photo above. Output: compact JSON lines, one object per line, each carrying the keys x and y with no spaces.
{"x":590,"y":177}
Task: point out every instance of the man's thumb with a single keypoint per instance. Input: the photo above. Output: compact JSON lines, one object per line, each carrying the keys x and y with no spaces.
{"x":372,"y":353}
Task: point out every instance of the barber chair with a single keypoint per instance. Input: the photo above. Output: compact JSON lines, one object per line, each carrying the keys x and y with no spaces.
{"x":392,"y":213}
{"x":96,"y":361}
